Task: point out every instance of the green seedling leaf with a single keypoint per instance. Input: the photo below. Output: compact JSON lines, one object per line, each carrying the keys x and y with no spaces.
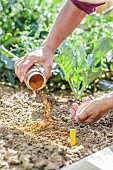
{"x":80,"y":70}
{"x":93,"y":74}
{"x":102,"y":46}
{"x":65,"y":60}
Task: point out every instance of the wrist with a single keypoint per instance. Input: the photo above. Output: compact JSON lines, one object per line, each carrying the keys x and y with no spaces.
{"x":49,"y":47}
{"x":109,"y":100}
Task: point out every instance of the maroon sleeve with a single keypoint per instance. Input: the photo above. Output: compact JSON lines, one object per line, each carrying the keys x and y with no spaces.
{"x":86,"y":7}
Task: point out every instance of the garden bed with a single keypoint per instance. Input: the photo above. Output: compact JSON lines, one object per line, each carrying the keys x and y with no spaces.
{"x":26,"y":143}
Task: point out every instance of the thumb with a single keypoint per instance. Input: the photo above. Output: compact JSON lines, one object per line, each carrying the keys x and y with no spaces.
{"x":83,"y":116}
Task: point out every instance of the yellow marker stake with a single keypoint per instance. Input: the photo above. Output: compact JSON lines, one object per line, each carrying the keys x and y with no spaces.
{"x":72,"y":137}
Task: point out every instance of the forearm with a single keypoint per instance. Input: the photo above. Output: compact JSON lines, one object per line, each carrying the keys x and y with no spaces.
{"x":109,"y":99}
{"x":67,"y":20}
{"x":106,"y":100}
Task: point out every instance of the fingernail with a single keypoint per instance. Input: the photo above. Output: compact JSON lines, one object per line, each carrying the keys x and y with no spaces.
{"x":21,"y":78}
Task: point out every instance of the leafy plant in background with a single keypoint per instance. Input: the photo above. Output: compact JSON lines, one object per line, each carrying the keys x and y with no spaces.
{"x":23,"y":26}
{"x":92,"y":28}
{"x":26,"y":43}
{"x":17,"y":14}
{"x":7,"y":66}
{"x":79,"y":68}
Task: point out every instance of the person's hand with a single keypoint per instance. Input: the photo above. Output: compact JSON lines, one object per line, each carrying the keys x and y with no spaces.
{"x":42,"y":56}
{"x":93,"y":112}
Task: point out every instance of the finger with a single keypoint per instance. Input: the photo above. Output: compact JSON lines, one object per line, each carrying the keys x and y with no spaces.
{"x":47,"y":71}
{"x":83,"y":116}
{"x":84,"y":99}
{"x":75,"y":106}
{"x":18,"y":70}
{"x":88,"y":121}
{"x":16,"y":66}
{"x":17,"y":60}
{"x":88,"y":98}
{"x":24,"y":65}
{"x":28,"y":61}
{"x":72,"y":112}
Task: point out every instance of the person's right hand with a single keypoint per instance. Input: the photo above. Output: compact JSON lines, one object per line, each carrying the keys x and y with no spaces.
{"x":42,"y":56}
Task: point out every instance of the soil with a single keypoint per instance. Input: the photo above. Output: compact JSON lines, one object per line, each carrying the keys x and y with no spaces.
{"x":34,"y":130}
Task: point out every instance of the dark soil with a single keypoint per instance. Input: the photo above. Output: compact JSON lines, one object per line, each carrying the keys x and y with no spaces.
{"x":30,"y":141}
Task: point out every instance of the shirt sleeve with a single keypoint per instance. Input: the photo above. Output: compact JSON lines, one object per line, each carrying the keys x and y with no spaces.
{"x":86,"y":7}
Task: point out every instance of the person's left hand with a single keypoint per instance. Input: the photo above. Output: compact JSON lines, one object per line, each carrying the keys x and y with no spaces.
{"x":93,"y":112}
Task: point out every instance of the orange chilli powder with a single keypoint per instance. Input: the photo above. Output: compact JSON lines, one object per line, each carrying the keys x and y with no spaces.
{"x":36,"y":81}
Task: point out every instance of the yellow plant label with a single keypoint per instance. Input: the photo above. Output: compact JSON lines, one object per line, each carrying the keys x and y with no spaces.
{"x":72,"y":137}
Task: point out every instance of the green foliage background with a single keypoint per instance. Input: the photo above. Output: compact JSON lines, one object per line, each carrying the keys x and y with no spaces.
{"x":27,"y":21}
{"x":24,"y":25}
